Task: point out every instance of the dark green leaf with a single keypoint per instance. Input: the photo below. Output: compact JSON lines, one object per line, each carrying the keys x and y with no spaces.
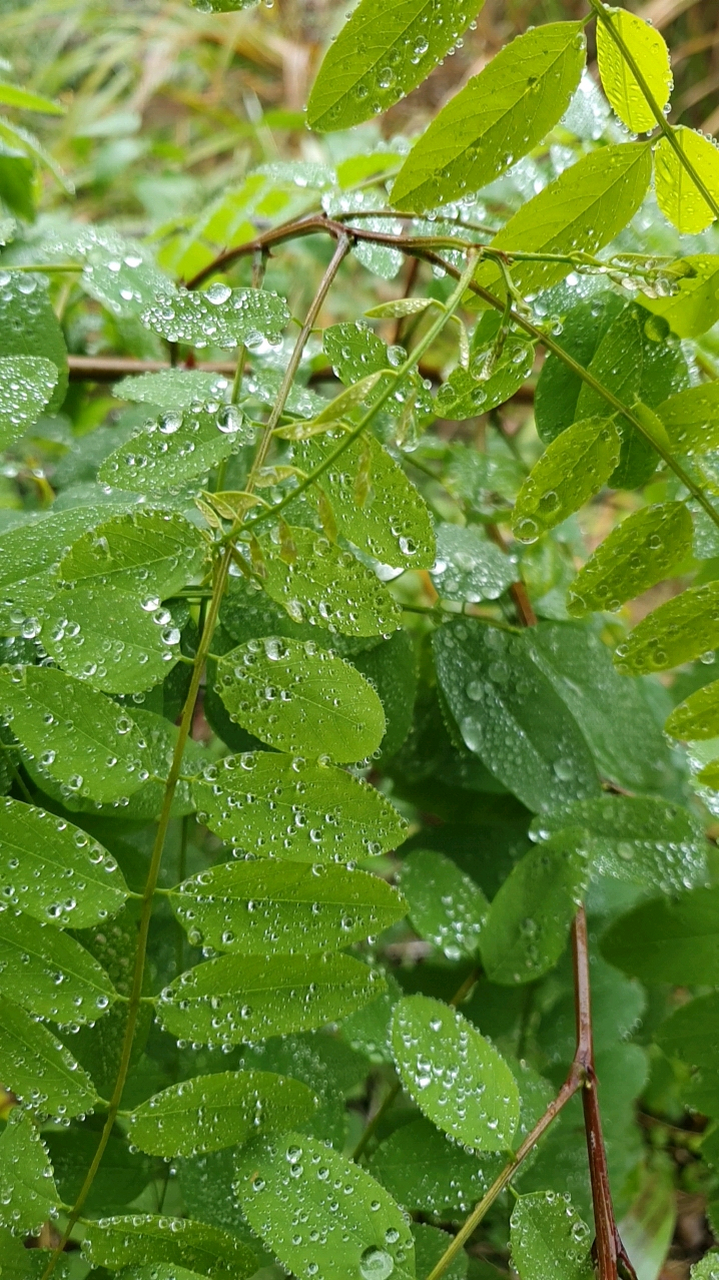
{"x":176,"y":447}
{"x":558,"y":386}
{"x":120,"y":1178}
{"x":549,"y":1239}
{"x":469,"y":567}
{"x":153,"y":553}
{"x":140,"y":1237}
{"x":428,"y":1174}
{"x":674,"y":941}
{"x":429,"y":1245}
{"x":692,"y":1033}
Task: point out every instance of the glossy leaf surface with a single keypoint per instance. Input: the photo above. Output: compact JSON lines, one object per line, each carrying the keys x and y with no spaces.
{"x":176,"y":447}
{"x":679,"y":630}
{"x":640,"y":552}
{"x":218,"y":317}
{"x":573,"y":468}
{"x":61,"y":980}
{"x":444,"y":904}
{"x":153,"y":553}
{"x":38,"y":1068}
{"x":549,"y":1238}
{"x":678,"y":196}
{"x":142,"y":1237}
{"x":649,"y":51}
{"x":28,"y":1195}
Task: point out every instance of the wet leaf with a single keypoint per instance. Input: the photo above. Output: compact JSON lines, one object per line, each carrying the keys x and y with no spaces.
{"x":692,"y":1033}
{"x":218,"y":317}
{"x":698,"y":716}
{"x":573,"y":468}
{"x":679,"y":630}
{"x":174,"y":388}
{"x":444,"y":904}
{"x":549,"y":1238}
{"x":38,"y":1068}
{"x":29,"y":326}
{"x":26,"y":387}
{"x":692,"y":418}
{"x":693,"y":305}
{"x":430,"y":1244}
{"x":60,"y":979}
{"x":678,"y":196}
{"x":142,"y":1238}
{"x":428,"y":1174}
{"x":649,"y":51}
{"x":640,"y":552}
{"x":152,"y":553}
{"x":177,"y":447}
{"x":28,"y":1195}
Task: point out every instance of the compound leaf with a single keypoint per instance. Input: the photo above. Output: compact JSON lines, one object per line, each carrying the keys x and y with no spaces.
{"x":26,"y":387}
{"x":698,"y":716}
{"x":679,"y":630}
{"x":668,"y":940}
{"x":469,"y":567}
{"x":29,"y":326}
{"x":142,"y":1238}
{"x":691,"y":418}
{"x":175,"y":448}
{"x":153,"y":553}
{"x":428,"y":1174}
{"x":444,"y":904}
{"x":174,"y":388}
{"x":549,"y":1239}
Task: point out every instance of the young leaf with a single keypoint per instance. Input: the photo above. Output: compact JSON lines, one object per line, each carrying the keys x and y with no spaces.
{"x":693,"y":306}
{"x":237,"y":999}
{"x":528,"y":922}
{"x":53,"y":870}
{"x":455,"y":1076}
{"x":428,"y":1174}
{"x":498,"y":117}
{"x":219,"y":317}
{"x":549,"y":1238}
{"x":570,"y":471}
{"x":38,"y":1068}
{"x":299,"y":698}
{"x":280,"y":804}
{"x":444,"y":905}
{"x":60,"y":979}
{"x":220,"y":1110}
{"x":174,"y":388}
{"x":469,"y":567}
{"x":392,"y":523}
{"x":151,"y":553}
{"x":326,"y":586}
{"x":668,"y":940}
{"x":698,"y":716}
{"x":649,"y":51}
{"x":121,"y":1242}
{"x":288,"y":1191}
{"x":175,"y":448}
{"x":691,"y":418}
{"x":259,"y":907}
{"x":380,"y":55}
{"x":509,"y":715}
{"x":26,"y":387}
{"x":85,"y":741}
{"x":639,"y":552}
{"x":28,"y":1195}
{"x":678,"y":196}
{"x":679,"y":630}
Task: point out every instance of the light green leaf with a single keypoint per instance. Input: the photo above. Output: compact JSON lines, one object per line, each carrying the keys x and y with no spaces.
{"x":119,"y":273}
{"x":208,"y":1113}
{"x":107,"y":637}
{"x":679,"y":630}
{"x":698,"y":716}
{"x":633,"y":838}
{"x":508,"y":714}
{"x":218,"y":317}
{"x":143,"y":1238}
{"x":428,"y":1174}
{"x":455,"y":1076}
{"x":391,"y":523}
{"x":53,"y":870}
{"x":38,"y":1068}
{"x":28,"y":1195}
{"x":277,"y":804}
{"x":380,"y":55}
{"x":570,"y":471}
{"x":400,"y":307}
{"x":640,"y":552}
{"x":581,"y":210}
{"x":528,"y":922}
{"x":498,"y":117}
{"x":549,"y":1238}
{"x":237,"y":998}
{"x":175,"y":448}
{"x":153,"y":553}
{"x":668,"y":940}
{"x":85,"y":741}
{"x":649,"y":51}
{"x":358,"y":355}
{"x":258,"y":907}
{"x":29,"y":326}
{"x":60,"y":979}
{"x":692,"y":418}
{"x":299,"y":698}
{"x":288,"y":1191}
{"x":13,"y":96}
{"x":26,"y":387}
{"x":174,"y":388}
{"x":430,"y":1244}
{"x":319,"y":583}
{"x":445,"y":905}
{"x":678,"y":197}
{"x":693,"y":305}
{"x":464,"y":395}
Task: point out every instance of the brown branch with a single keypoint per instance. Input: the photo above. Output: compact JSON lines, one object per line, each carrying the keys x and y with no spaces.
{"x":109,"y":368}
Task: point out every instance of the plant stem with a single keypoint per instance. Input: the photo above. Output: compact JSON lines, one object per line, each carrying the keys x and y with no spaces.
{"x":371,"y":1127}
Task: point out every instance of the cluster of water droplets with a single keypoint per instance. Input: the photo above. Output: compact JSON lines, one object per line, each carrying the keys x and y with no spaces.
{"x":218,"y":316}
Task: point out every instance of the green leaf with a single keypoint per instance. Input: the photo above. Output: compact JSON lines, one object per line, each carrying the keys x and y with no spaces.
{"x":26,"y":387}
{"x":299,"y":698}
{"x":38,"y":1068}
{"x":279,"y":804}
{"x":55,"y":871}
{"x":391,"y":523}
{"x":259,"y":907}
{"x":428,"y":1174}
{"x":528,"y":922}
{"x":220,"y":1110}
{"x":668,"y":940}
{"x":465,"y":394}
{"x":29,"y":326}
{"x":558,"y":386}
{"x":692,"y":1033}
{"x":692,"y":307}
{"x":60,"y":979}
{"x":510,"y":716}
{"x":392,"y":669}
{"x":177,"y":447}
{"x":638,"y":553}
{"x":120,"y":1178}
{"x":237,"y":999}
{"x":549,"y":1238}
{"x":143,"y":1238}
{"x":430,"y":1244}
{"x":13,"y":96}
{"x":634,"y":838}
{"x":317,"y":582}
{"x":445,"y":905}
{"x":218,"y":317}
{"x":581,"y":210}
{"x":497,"y":118}
{"x":288,"y":1190}
{"x":174,"y":388}
{"x":570,"y":471}
{"x":455,"y":1076}
{"x":679,"y":630}
{"x":698,"y":716}
{"x":89,"y":744}
{"x":692,"y":418}
{"x":152,"y":553}
{"x":649,"y":51}
{"x":28,"y":1195}
{"x":678,"y":197}
{"x":380,"y":55}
